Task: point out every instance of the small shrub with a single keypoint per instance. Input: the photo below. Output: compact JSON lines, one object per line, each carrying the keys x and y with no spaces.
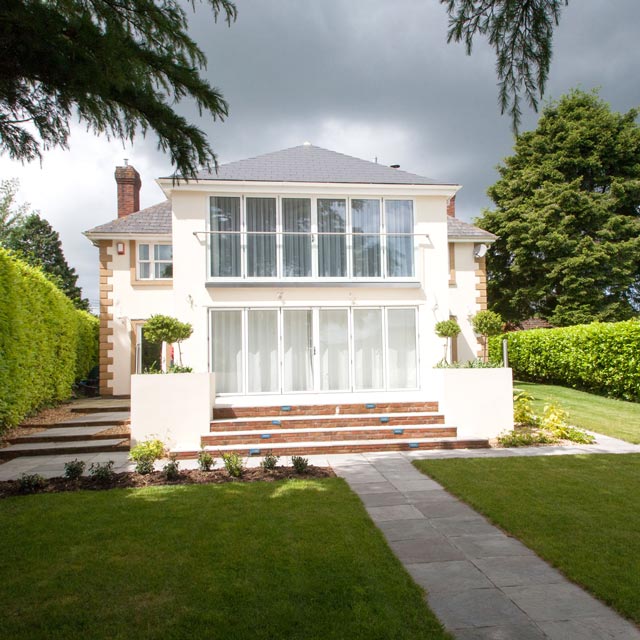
{"x":234,"y":464}
{"x":74,"y":469}
{"x":148,"y":449}
{"x":470,"y":364}
{"x":270,"y":461}
{"x":144,"y":466}
{"x":554,"y":418}
{"x":102,"y":472}
{"x":206,"y":461}
{"x":300,"y":464}
{"x":523,"y":411}
{"x":171,"y":470}
{"x":525,"y":438}
{"x":178,"y":368}
{"x":31,"y":482}
{"x":577,"y":435}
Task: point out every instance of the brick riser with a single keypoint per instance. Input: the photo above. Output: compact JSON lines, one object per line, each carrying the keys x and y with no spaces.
{"x":330,"y":422}
{"x":226,"y":413}
{"x":329,"y":436}
{"x":66,"y":451}
{"x":351,"y":448}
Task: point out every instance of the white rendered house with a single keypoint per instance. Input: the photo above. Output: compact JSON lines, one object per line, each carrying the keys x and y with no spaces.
{"x":309,"y":277}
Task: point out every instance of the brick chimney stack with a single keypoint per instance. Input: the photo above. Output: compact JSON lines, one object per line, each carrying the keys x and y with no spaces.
{"x":451,"y":207}
{"x":129,"y":183}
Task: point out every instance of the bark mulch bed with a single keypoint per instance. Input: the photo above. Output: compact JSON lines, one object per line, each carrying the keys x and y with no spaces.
{"x":132,"y":480}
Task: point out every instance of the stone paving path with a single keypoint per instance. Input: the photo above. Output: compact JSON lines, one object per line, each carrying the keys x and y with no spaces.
{"x":481,"y":583}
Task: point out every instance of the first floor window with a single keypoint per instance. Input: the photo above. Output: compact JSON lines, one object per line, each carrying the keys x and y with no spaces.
{"x":399,"y":229}
{"x":261,"y":238}
{"x":225,"y":247}
{"x":155,"y":261}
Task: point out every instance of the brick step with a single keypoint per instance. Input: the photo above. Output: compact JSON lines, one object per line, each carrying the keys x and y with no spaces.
{"x":64,"y":448}
{"x":351,"y":446}
{"x":226,"y":413}
{"x":327,"y":435}
{"x":327,"y":421}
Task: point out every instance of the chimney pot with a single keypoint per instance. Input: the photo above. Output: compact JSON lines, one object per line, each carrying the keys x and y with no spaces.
{"x":129,"y":183}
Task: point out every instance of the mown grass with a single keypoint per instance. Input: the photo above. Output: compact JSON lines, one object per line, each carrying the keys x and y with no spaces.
{"x":616,"y":418}
{"x":292,"y":559}
{"x":581,"y":513}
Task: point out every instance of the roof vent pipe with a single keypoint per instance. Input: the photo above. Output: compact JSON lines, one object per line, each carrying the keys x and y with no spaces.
{"x":394,"y":166}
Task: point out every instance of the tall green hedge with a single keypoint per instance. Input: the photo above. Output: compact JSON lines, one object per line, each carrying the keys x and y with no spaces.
{"x":45,"y":343}
{"x":600,"y":357}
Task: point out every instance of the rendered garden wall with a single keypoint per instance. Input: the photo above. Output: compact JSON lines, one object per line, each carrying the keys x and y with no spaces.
{"x":46,"y":344}
{"x":600,"y":357}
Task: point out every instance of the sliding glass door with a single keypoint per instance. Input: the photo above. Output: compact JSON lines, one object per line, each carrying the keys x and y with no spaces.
{"x":314,"y":349}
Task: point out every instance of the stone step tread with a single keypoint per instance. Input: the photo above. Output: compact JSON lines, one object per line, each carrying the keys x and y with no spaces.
{"x":334,"y":443}
{"x":57,"y":432}
{"x":330,"y":416}
{"x":52,"y":446}
{"x":105,"y":420}
{"x":375,"y":427}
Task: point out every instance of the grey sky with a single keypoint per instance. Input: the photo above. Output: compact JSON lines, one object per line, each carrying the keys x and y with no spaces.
{"x":370,"y":78}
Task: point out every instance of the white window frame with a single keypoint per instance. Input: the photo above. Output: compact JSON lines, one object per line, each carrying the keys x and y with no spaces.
{"x":315,"y":319}
{"x":152,"y":261}
{"x":315,"y":258}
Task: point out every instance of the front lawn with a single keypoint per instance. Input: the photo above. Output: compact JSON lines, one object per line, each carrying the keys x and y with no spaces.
{"x":616,"y":418}
{"x":288,"y":559}
{"x":581,"y":513}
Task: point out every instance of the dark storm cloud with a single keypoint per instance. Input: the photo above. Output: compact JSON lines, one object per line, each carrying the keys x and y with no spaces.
{"x":370,"y":78}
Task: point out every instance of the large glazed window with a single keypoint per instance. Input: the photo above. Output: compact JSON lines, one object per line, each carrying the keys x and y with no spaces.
{"x":399,"y":228}
{"x":296,"y":225}
{"x":227,"y":350}
{"x":262,"y":351}
{"x":261,"y":238}
{"x":402,"y":350}
{"x":367,"y":249}
{"x":334,"y":349}
{"x":332,"y":244}
{"x":367,"y":349}
{"x":297,"y":350}
{"x":225,"y":247}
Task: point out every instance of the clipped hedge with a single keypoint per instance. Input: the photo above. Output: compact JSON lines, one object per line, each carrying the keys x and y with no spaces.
{"x":600,"y":357}
{"x":45,"y":343}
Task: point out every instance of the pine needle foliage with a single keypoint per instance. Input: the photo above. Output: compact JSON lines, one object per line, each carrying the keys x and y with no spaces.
{"x":521,"y":33}
{"x":118,"y":65}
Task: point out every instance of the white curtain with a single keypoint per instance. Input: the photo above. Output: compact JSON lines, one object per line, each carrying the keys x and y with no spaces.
{"x":261,"y":248}
{"x":262,"y":356}
{"x":402,"y":353}
{"x":296,"y":216}
{"x":227,"y":351}
{"x":332,"y":249}
{"x":399,"y":220}
{"x":298,"y":349}
{"x":365,"y":222}
{"x":367,"y":348}
{"x":225,"y":249}
{"x":334,"y":349}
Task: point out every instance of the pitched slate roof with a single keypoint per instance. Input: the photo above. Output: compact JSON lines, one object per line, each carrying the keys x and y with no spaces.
{"x":308,"y":163}
{"x":460,"y":230}
{"x":157,"y":220}
{"x":152,"y":220}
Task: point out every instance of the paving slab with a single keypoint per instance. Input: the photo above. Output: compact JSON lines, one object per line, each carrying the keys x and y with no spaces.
{"x":476,"y":608}
{"x":407,"y":529}
{"x":364,"y":488}
{"x":555,"y":602}
{"x":446,"y":509}
{"x":25,"y":447}
{"x":63,"y":432}
{"x":383,"y":499}
{"x":515,"y":571}
{"x":508,"y":632}
{"x":495,"y":545}
{"x":428,"y":496}
{"x":462,"y":525}
{"x":108,"y":417}
{"x":399,"y":512}
{"x":433,"y":549}
{"x":453,"y":575}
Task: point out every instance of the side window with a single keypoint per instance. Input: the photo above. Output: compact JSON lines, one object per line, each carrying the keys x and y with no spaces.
{"x":155,"y":261}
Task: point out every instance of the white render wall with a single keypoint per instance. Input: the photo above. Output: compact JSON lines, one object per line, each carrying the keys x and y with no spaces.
{"x":189,"y":299}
